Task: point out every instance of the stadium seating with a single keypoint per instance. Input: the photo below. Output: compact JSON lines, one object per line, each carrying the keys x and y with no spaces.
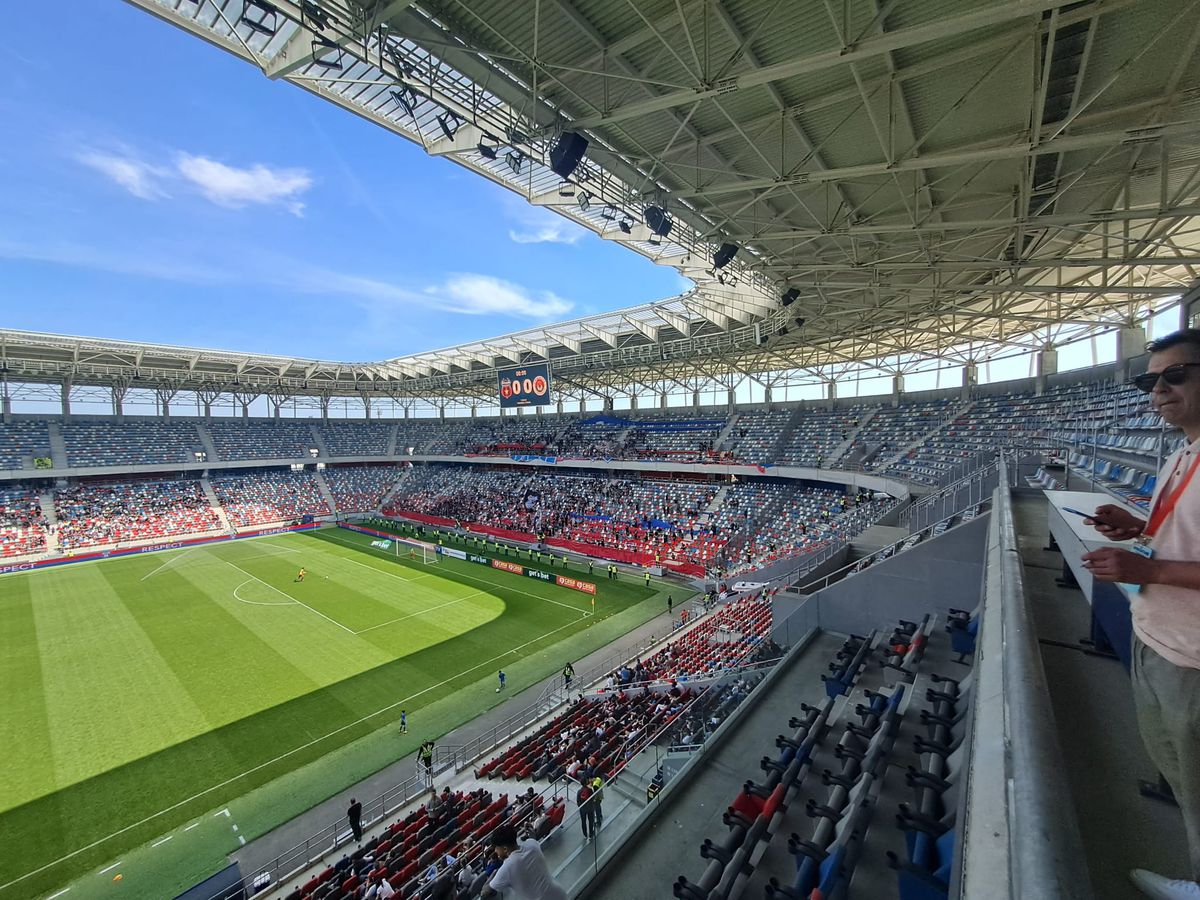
{"x":818,"y":432}
{"x":22,"y":525}
{"x":755,"y":435}
{"x":360,"y":488}
{"x":133,"y":443}
{"x":97,"y":513}
{"x":445,"y":838}
{"x":262,"y":440}
{"x":262,"y":498}
{"x":20,"y":440}
{"x":357,"y":438}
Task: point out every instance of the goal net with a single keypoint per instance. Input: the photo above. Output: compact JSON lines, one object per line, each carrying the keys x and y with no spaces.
{"x":405,"y":548}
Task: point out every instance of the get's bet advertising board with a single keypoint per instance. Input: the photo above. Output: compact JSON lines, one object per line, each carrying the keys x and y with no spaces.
{"x":524,"y":385}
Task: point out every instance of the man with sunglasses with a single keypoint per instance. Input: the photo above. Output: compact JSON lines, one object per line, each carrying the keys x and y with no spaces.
{"x":1165,"y":561}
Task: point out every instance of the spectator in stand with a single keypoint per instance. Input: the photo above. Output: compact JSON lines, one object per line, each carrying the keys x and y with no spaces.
{"x":1165,"y":562}
{"x":522,"y":870}
{"x":354,"y":815}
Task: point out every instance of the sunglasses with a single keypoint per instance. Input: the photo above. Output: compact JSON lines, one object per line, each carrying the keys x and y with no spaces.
{"x":1176,"y":374}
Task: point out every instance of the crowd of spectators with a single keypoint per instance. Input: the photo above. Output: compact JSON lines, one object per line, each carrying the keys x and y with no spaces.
{"x":442,"y":849}
{"x":22,"y":525}
{"x":360,"y":488}
{"x":263,"y":498}
{"x":644,"y":516}
{"x":92,"y":514}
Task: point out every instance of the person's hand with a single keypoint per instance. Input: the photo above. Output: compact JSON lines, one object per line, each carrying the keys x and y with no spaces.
{"x":1115,"y":564}
{"x":1115,"y":522}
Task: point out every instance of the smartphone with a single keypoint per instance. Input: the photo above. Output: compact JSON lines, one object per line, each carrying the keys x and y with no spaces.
{"x":1077,"y":512}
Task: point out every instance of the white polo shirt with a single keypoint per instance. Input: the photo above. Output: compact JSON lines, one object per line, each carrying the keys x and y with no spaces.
{"x":526,"y":875}
{"x":1167,"y":618}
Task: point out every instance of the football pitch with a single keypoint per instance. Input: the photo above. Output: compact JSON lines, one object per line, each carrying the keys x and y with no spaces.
{"x":143,"y":691}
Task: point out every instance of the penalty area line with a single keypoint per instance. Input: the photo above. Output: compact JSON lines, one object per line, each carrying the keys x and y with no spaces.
{"x":404,"y":701}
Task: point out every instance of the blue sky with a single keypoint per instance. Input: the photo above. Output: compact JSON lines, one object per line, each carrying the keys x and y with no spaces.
{"x":155,"y":188}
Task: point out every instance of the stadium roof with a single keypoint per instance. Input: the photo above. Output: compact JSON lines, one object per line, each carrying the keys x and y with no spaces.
{"x":928,"y":175}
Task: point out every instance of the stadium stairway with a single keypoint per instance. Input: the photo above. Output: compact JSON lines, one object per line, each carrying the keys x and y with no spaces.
{"x":720,"y":439}
{"x":206,"y":442}
{"x":393,"y":436}
{"x":323,"y":487}
{"x":836,"y":454}
{"x":46,"y":499}
{"x":319,"y":443}
{"x":951,"y":417}
{"x":58,"y":447}
{"x":215,"y":503}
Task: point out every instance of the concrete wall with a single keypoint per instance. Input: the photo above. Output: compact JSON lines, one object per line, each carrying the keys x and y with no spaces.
{"x":933,"y":576}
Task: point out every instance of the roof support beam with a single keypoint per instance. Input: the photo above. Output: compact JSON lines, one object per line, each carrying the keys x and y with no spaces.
{"x":868,"y":49}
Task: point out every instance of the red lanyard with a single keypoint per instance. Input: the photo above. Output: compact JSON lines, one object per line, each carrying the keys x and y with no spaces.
{"x":1168,"y":500}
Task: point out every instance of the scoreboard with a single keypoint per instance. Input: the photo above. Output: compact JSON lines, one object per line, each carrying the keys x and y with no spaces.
{"x":524,"y":385}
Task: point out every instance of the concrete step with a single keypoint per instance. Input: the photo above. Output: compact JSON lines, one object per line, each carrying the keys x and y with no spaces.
{"x":215,"y":503}
{"x":46,"y":500}
{"x":323,"y":487}
{"x":206,"y":442}
{"x":58,"y":447}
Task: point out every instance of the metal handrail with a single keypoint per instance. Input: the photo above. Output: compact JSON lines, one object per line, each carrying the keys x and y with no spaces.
{"x":895,"y":547}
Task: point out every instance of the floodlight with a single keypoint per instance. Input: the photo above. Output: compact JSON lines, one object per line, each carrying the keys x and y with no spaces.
{"x":487,"y":151}
{"x":659,"y":220}
{"x":626,"y":225}
{"x":322,"y":45}
{"x":450,"y":123}
{"x":566,"y":189}
{"x":515,"y":159}
{"x":790,"y":296}
{"x":567,"y":153}
{"x":406,"y":99}
{"x":610,"y":212}
{"x":585,"y":200}
{"x":311,"y":12}
{"x":724,"y":255}
{"x":261,"y":25}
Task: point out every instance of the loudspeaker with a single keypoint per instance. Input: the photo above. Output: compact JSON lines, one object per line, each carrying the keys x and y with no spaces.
{"x":724,"y":255}
{"x":658,"y":220}
{"x":567,"y":153}
{"x":790,"y":296}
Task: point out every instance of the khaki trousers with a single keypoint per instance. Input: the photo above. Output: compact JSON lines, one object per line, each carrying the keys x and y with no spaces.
{"x":1167,"y":698}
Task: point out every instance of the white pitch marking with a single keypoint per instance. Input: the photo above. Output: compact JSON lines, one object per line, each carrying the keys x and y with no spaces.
{"x":109,"y":869}
{"x":404,"y":701}
{"x":235,"y":827}
{"x":459,"y":574}
{"x":59,"y":894}
{"x":173,"y":559}
{"x":241,"y":840}
{"x":163,"y":841}
{"x":276,"y":546}
{"x":357,"y":546}
{"x":190,"y":827}
{"x":237,"y":596}
{"x":419,"y":612}
{"x":224,"y":812}
{"x":290,"y":597}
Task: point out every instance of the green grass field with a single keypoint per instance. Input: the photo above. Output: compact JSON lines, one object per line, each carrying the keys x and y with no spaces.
{"x":140,"y":692}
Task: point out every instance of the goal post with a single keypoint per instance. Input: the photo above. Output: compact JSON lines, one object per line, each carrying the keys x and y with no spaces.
{"x":422,"y":550}
{"x":405,"y":548}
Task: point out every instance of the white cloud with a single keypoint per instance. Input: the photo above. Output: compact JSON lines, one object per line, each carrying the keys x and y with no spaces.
{"x":562,"y":232}
{"x":224,"y":185}
{"x":537,"y":225}
{"x":235,"y":188}
{"x":139,"y":178}
{"x":485,"y":295}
